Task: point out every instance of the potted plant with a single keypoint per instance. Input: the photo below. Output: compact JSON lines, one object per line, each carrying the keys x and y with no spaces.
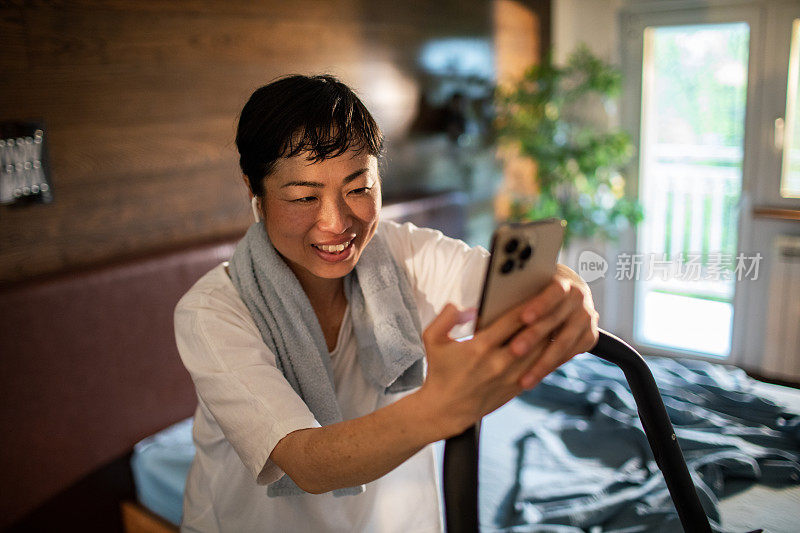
{"x":550,"y":117}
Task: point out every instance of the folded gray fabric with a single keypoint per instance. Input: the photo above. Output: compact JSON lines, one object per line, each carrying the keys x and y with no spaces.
{"x":385,"y":322}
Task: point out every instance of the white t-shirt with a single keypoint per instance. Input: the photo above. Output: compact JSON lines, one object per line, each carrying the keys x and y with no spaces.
{"x":245,"y":405}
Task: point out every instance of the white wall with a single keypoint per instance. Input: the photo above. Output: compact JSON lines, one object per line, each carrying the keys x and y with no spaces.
{"x":593,"y":22}
{"x":596,"y":24}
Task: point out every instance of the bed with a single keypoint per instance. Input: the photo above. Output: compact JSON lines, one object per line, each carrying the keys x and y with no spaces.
{"x":89,"y":368}
{"x":570,"y":456}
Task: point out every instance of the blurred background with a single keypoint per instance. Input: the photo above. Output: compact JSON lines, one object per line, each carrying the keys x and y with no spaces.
{"x":665,"y":132}
{"x":137,"y":104}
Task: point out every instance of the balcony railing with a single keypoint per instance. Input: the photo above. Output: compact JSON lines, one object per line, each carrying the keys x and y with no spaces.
{"x":690,"y":206}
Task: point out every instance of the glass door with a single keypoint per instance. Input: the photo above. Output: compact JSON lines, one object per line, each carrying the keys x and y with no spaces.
{"x":693,"y":102}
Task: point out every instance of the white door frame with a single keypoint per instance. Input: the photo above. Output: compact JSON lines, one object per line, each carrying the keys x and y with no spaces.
{"x":634,"y":18}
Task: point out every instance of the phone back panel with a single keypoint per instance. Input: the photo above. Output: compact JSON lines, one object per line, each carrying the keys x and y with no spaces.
{"x":523,"y":262}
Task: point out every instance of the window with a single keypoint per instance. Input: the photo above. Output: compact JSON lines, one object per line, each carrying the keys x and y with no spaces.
{"x":789,"y":142}
{"x":711,"y":98}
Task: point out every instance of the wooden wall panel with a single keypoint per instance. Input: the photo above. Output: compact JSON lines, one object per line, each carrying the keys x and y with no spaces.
{"x":140,"y":99}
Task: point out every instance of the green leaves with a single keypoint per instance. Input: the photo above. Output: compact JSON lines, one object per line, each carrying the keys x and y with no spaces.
{"x":545,"y":117}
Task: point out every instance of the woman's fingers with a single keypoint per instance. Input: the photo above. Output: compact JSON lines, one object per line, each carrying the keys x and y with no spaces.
{"x":521,"y":364}
{"x":546,"y":301}
{"x":543,"y":328}
{"x":529,"y":345}
{"x":577,"y":335}
{"x":438,"y":330}
{"x":502,"y":329}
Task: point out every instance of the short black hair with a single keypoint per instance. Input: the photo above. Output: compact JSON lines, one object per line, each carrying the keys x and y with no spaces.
{"x":319,"y":115}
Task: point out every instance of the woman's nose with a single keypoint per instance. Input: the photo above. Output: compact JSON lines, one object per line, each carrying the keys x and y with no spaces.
{"x":334,"y":216}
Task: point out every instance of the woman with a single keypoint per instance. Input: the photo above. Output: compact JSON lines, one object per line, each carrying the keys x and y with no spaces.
{"x":308,"y":349}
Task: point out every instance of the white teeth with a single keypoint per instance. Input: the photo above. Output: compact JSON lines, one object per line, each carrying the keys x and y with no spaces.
{"x":333,"y":249}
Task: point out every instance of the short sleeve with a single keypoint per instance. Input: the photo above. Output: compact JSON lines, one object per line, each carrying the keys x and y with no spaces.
{"x":236,"y":377}
{"x":441,"y":269}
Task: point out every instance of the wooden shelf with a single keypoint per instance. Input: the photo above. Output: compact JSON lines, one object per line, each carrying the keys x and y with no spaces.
{"x":776,"y":212}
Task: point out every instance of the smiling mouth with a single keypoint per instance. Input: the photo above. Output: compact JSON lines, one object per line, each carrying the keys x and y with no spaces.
{"x":333,"y":249}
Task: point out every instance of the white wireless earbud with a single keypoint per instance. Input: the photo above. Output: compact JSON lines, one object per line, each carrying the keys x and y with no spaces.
{"x":254,"y":205}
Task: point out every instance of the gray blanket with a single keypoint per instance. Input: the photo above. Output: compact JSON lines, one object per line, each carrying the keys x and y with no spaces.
{"x":589,"y":466}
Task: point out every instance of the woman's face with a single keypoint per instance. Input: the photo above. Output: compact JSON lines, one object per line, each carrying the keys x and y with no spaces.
{"x":320,"y":216}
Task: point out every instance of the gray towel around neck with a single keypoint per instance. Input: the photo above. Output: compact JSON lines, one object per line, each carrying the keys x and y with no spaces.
{"x":385,"y":322}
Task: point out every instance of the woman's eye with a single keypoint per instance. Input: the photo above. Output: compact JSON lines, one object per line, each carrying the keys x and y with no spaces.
{"x":361,"y":190}
{"x":304,"y":200}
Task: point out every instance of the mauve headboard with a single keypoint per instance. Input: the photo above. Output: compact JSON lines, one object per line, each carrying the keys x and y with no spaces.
{"x":89,"y":367}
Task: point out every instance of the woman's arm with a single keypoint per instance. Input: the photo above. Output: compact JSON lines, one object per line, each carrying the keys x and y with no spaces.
{"x":357,"y":451}
{"x":465,"y":381}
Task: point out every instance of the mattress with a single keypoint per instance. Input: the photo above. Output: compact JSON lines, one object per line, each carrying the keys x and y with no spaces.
{"x":161,"y":463}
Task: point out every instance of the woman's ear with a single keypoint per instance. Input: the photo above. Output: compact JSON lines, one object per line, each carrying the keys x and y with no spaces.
{"x":253,"y":199}
{"x":254,"y":205}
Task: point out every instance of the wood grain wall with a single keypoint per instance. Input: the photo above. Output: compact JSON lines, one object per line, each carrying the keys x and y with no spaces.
{"x":140,"y":100}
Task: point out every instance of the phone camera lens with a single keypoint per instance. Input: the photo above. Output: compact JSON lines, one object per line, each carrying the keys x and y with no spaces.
{"x":507,"y":266}
{"x":511,"y":245}
{"x":526,"y":253}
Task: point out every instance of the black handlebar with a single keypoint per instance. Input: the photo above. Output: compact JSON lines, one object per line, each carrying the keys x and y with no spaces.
{"x":460,"y":469}
{"x":658,"y":428}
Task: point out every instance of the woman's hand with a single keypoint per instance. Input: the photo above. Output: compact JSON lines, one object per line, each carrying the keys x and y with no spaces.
{"x":467,"y":380}
{"x":564,"y":315}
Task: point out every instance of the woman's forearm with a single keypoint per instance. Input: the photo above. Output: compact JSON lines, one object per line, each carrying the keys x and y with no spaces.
{"x":360,"y":450}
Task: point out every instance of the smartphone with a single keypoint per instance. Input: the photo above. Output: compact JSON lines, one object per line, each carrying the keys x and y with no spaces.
{"x":523,"y":261}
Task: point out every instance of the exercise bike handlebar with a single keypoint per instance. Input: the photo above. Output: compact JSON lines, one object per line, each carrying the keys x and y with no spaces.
{"x":460,"y":467}
{"x":658,"y":428}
